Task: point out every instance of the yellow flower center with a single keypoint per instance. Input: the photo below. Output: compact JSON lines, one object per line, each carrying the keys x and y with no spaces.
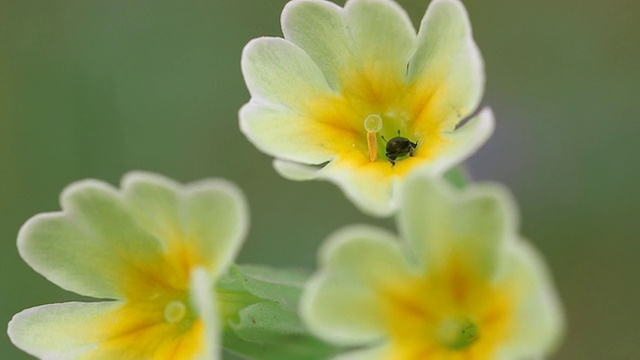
{"x":389,"y":107}
{"x":449,"y":311}
{"x":156,"y":320}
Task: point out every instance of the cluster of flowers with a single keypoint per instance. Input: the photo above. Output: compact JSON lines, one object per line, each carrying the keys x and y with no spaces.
{"x":352,"y":95}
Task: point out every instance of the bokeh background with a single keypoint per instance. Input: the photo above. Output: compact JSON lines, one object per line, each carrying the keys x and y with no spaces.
{"x":94,"y":88}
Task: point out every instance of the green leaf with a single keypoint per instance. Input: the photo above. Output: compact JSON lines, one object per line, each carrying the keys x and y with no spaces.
{"x":259,"y":306}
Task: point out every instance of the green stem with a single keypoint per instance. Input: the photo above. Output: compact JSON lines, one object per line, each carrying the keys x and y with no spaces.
{"x":458,"y":177}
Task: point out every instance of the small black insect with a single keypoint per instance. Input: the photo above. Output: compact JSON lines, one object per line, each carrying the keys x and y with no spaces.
{"x":399,"y":146}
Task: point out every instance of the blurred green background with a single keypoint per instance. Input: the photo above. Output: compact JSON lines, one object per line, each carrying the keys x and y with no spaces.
{"x":94,"y":88}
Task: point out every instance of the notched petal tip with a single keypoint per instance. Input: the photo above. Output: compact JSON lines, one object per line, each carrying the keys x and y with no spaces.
{"x":82,"y":188}
{"x":345,"y":236}
{"x":140,"y":177}
{"x":225,"y":204}
{"x":438,"y":220}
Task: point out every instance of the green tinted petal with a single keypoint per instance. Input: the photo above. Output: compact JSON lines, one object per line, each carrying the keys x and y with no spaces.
{"x":320,"y":29}
{"x":216,"y":221}
{"x":211,"y":215}
{"x":383,"y":37}
{"x":370,"y":38}
{"x":471,"y":225}
{"x":91,"y":245}
{"x":447,"y":66}
{"x":538,"y":324}
{"x":284,"y":133}
{"x":342,"y":302}
{"x":278,"y":72}
{"x":60,"y":331}
{"x":155,"y":203}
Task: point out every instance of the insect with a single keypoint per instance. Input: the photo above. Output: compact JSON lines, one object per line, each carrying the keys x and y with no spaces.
{"x":399,"y":146}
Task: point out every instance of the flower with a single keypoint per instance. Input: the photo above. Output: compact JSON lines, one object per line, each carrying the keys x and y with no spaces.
{"x":328,"y":100}
{"x":462,"y":286}
{"x":154,"y":247}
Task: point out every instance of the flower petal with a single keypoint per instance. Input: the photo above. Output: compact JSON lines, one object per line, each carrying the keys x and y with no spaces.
{"x":155,"y":203}
{"x":287,"y":134}
{"x":463,"y":142}
{"x":91,"y":246}
{"x":471,"y":226}
{"x":278,"y":72}
{"x":383,"y":38}
{"x":369,"y":42}
{"x":538,"y":320}
{"x":447,"y":70}
{"x":320,"y":29}
{"x":60,"y":331}
{"x":216,"y":222}
{"x":369,"y":188}
{"x":342,"y":302}
{"x":295,"y":171}
{"x":202,"y":297}
{"x":209,"y":218}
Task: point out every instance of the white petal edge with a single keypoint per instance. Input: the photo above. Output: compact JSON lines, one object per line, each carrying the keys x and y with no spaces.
{"x":101,"y":240}
{"x":54,"y":332}
{"x":202,"y":297}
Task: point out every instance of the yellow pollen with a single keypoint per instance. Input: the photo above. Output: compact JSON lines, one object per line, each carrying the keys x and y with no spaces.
{"x":373,"y":124}
{"x":175,"y":311}
{"x":456,"y":333}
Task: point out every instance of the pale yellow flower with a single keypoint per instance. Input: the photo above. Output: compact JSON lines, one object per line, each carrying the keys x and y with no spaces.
{"x":461,"y":285}
{"x":323,"y":98}
{"x":154,"y":247}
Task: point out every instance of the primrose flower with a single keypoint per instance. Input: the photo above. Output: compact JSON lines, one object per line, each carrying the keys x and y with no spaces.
{"x":463,"y":286}
{"x":353,"y":95}
{"x":154,"y":247}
